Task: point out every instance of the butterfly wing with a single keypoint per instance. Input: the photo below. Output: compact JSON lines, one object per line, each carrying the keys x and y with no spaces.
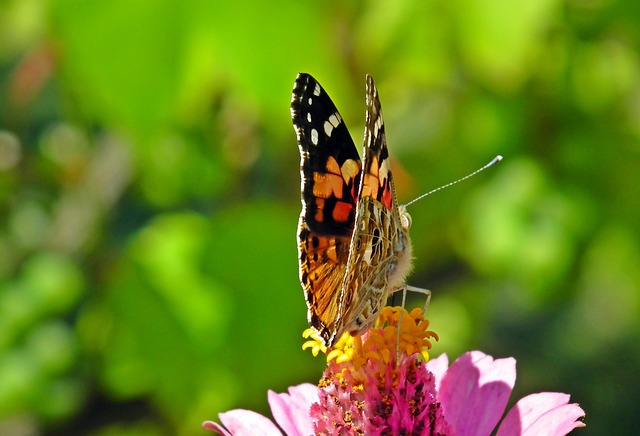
{"x":380,"y":250}
{"x":330,"y":169}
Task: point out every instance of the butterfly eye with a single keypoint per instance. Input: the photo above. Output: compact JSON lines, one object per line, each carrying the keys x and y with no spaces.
{"x":405,"y":218}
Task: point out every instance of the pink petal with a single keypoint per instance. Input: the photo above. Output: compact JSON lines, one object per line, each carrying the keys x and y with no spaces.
{"x":241,"y":422}
{"x":214,"y":426}
{"x":438,"y":367}
{"x":546,"y":413}
{"x":474,"y":392}
{"x":292,"y":411}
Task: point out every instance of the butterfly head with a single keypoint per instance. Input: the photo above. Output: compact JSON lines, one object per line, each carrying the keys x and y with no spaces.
{"x":405,"y":218}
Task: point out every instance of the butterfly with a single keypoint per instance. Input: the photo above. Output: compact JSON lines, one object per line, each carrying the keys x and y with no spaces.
{"x":353,"y":237}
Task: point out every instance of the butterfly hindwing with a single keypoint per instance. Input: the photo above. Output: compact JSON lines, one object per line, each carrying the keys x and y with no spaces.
{"x":353,"y":245}
{"x":379,"y":241}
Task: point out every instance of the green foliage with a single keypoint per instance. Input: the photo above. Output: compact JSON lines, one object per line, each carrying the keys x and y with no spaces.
{"x":149,"y":192}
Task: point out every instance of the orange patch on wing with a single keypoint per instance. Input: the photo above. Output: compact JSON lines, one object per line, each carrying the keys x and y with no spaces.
{"x":341,"y":211}
{"x":332,"y":254}
{"x":387,"y":197}
{"x":350,"y":170}
{"x":370,"y":186}
{"x":332,"y":165}
{"x":326,"y":245}
{"x":374,"y":166}
{"x":371,"y":182}
{"x":319,"y":216}
{"x":327,"y":185}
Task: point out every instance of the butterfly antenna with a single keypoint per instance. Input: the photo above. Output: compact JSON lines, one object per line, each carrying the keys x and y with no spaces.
{"x":493,"y":161}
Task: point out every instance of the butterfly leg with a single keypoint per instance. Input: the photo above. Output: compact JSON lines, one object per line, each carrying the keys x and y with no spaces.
{"x":425,"y":292}
{"x":404,"y":290}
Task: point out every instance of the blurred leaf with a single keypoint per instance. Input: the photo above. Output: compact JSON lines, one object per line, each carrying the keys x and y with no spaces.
{"x":54,"y":281}
{"x":182,"y":297}
{"x":526,"y":233}
{"x":500,"y":39}
{"x":123,"y":59}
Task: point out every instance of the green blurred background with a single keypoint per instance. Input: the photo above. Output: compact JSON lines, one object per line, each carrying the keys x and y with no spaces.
{"x":149,"y":192}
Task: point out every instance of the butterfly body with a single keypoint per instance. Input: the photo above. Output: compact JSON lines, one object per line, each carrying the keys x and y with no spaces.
{"x":353,"y":238}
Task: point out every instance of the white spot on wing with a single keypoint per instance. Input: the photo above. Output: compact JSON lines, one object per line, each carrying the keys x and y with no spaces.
{"x":378,"y":126}
{"x":328,"y":128}
{"x":310,"y":101}
{"x":334,"y":119}
{"x":368,"y":254}
{"x":309,"y":116}
{"x":316,"y":90}
{"x":314,"y":136}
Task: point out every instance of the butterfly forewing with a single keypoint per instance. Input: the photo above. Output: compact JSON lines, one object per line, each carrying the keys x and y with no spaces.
{"x":378,"y":180}
{"x":330,"y":170}
{"x":329,"y":162}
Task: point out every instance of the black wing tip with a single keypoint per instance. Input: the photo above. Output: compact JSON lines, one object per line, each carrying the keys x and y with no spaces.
{"x":308,"y":78}
{"x":304,"y":82}
{"x":299,"y":87}
{"x":370,"y":81}
{"x":303,"y":75}
{"x":304,"y":78}
{"x":371,"y":88}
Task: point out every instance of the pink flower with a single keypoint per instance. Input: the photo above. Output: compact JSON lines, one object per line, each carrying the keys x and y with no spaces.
{"x":377,"y":385}
{"x":291,"y":411}
{"x":474,"y":392}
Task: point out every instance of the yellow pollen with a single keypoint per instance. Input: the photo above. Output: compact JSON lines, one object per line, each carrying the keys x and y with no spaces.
{"x":315,"y":343}
{"x":381,"y":341}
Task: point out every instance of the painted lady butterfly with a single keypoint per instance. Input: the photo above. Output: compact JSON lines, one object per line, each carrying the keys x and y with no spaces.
{"x":353,"y":238}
